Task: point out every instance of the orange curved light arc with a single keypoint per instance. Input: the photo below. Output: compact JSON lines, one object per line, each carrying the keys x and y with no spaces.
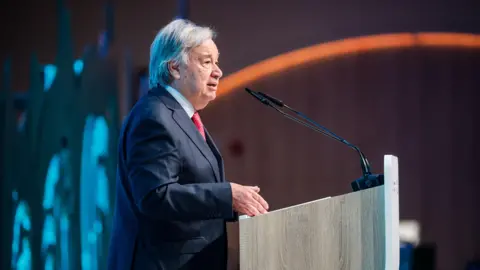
{"x":343,"y":47}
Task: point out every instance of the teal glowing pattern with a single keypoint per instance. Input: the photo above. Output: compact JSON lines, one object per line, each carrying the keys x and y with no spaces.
{"x":22,"y":226}
{"x":50,"y":72}
{"x":49,"y":231}
{"x":78,"y":67}
{"x":94,"y":192}
{"x":58,"y":208}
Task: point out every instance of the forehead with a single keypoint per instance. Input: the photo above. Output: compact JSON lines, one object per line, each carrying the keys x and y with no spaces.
{"x":206,"y":48}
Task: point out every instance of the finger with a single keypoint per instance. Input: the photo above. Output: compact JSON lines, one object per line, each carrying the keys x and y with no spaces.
{"x":253,"y":211}
{"x":253,"y":202}
{"x":260,"y":200}
{"x":255,"y":188}
{"x":260,"y":208}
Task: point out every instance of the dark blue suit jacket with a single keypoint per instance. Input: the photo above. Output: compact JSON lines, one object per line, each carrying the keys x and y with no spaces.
{"x":172,"y":200}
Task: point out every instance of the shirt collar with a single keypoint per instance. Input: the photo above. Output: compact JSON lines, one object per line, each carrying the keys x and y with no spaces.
{"x":186,"y":105}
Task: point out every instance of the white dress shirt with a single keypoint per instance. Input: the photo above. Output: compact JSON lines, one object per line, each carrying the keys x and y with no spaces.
{"x":186,"y":105}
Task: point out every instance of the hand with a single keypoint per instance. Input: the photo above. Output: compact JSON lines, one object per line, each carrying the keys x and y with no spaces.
{"x":246,"y":200}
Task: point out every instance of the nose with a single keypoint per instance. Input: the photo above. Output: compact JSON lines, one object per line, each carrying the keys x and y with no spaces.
{"x":217,"y":72}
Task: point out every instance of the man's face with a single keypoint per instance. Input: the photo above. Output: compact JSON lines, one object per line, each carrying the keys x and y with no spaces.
{"x":198,"y":79}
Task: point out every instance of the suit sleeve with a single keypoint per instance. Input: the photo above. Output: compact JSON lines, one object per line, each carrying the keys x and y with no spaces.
{"x":234,"y":217}
{"x":154,"y":164}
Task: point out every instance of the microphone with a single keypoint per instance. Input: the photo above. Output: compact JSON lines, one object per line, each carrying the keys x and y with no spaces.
{"x":368,"y":180}
{"x":269,"y":103}
{"x":259,"y":97}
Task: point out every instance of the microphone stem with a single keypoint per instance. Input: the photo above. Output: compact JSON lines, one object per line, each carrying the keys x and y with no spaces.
{"x":305,"y":124}
{"x":363,"y":159}
{"x":273,"y":102}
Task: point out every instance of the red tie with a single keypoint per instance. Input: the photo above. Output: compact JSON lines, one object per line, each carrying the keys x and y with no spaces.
{"x":198,"y":123}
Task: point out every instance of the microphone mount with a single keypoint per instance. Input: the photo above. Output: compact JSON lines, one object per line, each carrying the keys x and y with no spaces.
{"x":368,"y":180}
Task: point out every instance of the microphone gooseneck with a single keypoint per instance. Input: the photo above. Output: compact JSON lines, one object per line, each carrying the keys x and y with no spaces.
{"x":366,"y":181}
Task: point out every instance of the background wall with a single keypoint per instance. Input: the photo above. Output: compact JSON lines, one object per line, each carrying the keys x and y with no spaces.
{"x":249,"y":31}
{"x":416,"y":103}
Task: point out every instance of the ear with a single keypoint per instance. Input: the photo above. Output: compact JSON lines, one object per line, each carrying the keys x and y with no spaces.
{"x":174,"y":69}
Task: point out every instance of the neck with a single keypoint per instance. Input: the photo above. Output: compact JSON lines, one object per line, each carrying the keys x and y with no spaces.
{"x":183,"y":92}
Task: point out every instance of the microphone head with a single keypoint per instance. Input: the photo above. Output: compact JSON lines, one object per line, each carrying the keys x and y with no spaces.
{"x":275,"y":101}
{"x":253,"y":93}
{"x":257,"y":96}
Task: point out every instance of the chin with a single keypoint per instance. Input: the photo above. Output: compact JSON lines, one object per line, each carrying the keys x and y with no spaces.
{"x":205,"y":101}
{"x":210,"y":95}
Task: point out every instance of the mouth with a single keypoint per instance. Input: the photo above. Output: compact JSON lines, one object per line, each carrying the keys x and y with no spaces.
{"x":212,"y":85}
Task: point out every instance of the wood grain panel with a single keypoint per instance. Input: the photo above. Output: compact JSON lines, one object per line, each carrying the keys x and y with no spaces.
{"x":343,"y":232}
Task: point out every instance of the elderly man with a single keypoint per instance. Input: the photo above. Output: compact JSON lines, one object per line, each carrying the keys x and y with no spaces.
{"x":172,"y":197}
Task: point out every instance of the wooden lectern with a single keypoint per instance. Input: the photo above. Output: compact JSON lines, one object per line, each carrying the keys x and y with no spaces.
{"x":358,"y":230}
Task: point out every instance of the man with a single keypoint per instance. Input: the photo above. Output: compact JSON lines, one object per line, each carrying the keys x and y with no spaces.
{"x":172,"y":196}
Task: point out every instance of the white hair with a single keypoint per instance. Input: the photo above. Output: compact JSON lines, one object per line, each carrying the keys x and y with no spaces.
{"x":173,"y":43}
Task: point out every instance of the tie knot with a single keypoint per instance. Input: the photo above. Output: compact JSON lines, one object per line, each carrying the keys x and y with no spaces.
{"x":196,"y":119}
{"x":198,"y":123}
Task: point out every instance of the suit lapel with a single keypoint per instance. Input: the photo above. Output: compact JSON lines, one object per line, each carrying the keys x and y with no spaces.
{"x":186,"y":124}
{"x":217,"y":154}
{"x":189,"y":128}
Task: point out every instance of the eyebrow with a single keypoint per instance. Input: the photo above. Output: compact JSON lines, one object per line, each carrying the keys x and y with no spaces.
{"x":208,"y":54}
